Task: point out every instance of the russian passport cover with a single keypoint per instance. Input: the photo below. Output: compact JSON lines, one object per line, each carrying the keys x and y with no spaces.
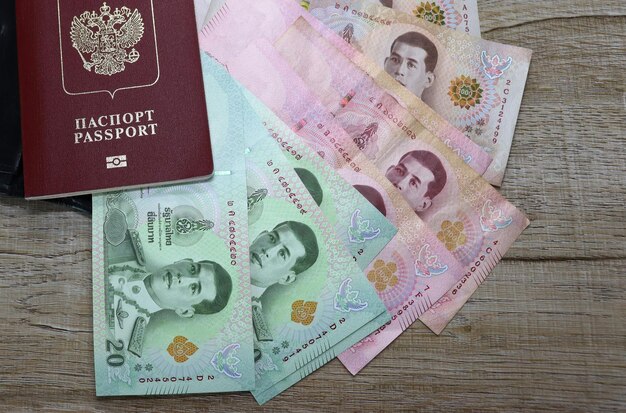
{"x":111,"y":95}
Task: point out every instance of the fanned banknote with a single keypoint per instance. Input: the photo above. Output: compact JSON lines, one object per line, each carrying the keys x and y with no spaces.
{"x":494,"y":212}
{"x":459,"y":15}
{"x":475,"y":84}
{"x":308,"y":293}
{"x":416,"y":258}
{"x":415,"y":269}
{"x":471,"y":219}
{"x":171,"y":287}
{"x":266,"y":20}
{"x":408,"y":273}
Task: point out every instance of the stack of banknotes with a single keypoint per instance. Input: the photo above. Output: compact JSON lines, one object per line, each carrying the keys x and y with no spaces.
{"x":357,"y":145}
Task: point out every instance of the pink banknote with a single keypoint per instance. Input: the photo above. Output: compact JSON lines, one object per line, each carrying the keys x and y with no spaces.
{"x":269,"y":19}
{"x":415,"y":269}
{"x":467,"y":217}
{"x":408,"y":273}
{"x":285,"y":93}
{"x":474,"y":83}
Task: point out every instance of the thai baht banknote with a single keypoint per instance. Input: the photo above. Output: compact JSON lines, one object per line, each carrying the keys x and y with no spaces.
{"x":359,"y":224}
{"x":171,"y":275}
{"x":237,"y":25}
{"x":465,"y":215}
{"x":471,"y":219}
{"x":422,"y":273}
{"x":405,"y":274}
{"x":308,"y":293}
{"x":415,"y":270}
{"x":476,"y":84}
{"x":460,"y":15}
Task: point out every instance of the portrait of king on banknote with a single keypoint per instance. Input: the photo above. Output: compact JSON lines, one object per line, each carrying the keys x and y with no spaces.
{"x":420,"y":176}
{"x":412,"y":61}
{"x":284,"y":249}
{"x":167,"y":291}
{"x":141,"y":289}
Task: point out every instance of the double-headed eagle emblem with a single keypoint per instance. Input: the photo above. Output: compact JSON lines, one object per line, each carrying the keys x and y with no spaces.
{"x":103,"y":40}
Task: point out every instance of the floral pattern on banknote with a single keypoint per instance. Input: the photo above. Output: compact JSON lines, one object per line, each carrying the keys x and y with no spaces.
{"x":347,"y":299}
{"x":452,"y":235}
{"x":403,"y":259}
{"x":462,"y":235}
{"x":441,"y":12}
{"x":474,"y":95}
{"x":465,"y":92}
{"x":225,"y":361}
{"x":303,"y":312}
{"x":383,"y":275}
{"x":181,"y":349}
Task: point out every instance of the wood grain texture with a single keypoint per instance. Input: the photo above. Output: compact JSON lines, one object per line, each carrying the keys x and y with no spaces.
{"x":547,"y":332}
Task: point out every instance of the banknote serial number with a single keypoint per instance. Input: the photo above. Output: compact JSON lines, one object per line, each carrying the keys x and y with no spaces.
{"x":174,"y":379}
{"x":314,"y":340}
{"x":116,"y":358}
{"x":232,"y":235}
{"x":466,"y":19}
{"x":402,"y":310}
{"x":475,"y":267}
{"x":501,"y":112}
{"x":395,"y":120}
{"x":284,"y":144}
{"x":293,"y":197}
{"x":363,"y":15}
{"x":339,"y":147}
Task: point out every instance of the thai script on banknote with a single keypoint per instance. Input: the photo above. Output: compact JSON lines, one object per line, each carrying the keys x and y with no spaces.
{"x":359,"y":225}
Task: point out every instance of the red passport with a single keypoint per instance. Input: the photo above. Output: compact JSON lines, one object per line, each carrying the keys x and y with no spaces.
{"x":111,"y":94}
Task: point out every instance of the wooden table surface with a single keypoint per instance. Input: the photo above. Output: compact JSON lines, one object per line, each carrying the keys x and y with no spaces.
{"x":547,"y":331}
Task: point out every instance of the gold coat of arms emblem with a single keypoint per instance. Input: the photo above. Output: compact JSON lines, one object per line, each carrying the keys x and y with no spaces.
{"x":103,"y":40}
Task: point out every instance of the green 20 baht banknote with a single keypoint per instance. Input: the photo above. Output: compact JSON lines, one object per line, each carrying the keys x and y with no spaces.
{"x":308,"y":293}
{"x":171,"y":275}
